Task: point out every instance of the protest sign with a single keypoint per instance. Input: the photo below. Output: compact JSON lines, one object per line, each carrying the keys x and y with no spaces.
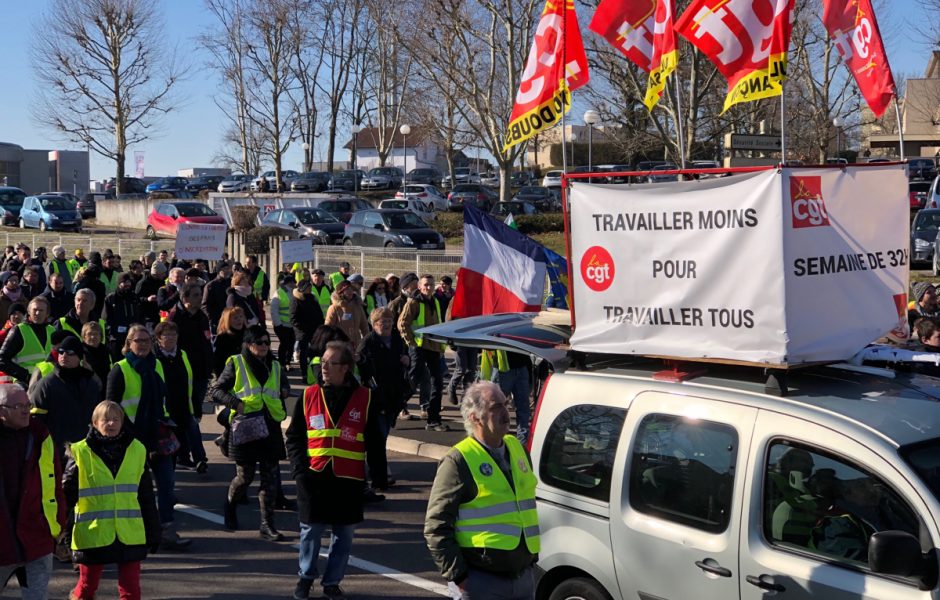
{"x":198,"y":240}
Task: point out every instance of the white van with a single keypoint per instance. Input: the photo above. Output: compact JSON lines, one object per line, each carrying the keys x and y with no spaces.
{"x":691,"y":481}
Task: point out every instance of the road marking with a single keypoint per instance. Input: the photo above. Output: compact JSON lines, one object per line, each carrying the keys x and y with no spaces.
{"x":363,"y":565}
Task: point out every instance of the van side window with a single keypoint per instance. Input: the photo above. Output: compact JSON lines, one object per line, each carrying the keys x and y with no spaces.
{"x":682,"y":470}
{"x":825,"y":505}
{"x":578,"y":455}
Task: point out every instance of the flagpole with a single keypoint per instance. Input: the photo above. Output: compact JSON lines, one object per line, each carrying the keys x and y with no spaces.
{"x":783,"y":125}
{"x":679,"y":128}
{"x":565,"y":97}
{"x":897,"y":113}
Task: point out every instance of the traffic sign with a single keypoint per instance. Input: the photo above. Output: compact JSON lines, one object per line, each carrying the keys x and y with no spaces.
{"x":738,"y":141}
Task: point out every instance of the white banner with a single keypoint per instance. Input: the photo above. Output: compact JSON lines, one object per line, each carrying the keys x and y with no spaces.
{"x":139,"y":165}
{"x":777,"y":267}
{"x":197,"y":240}
{"x":296,"y":251}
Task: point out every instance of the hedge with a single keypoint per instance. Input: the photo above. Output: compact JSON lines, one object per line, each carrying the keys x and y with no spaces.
{"x":450,"y":225}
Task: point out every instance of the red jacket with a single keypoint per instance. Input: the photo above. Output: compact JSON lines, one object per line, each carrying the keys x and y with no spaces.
{"x":32,"y":535}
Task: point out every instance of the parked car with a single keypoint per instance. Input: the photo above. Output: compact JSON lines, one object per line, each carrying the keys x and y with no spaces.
{"x":88,"y":204}
{"x":349,"y":180}
{"x":933,"y":196}
{"x":613,"y":169}
{"x":706,"y":164}
{"x":168,"y":184}
{"x":540,"y":197}
{"x":921,"y":169}
{"x":129,"y":185}
{"x":470,"y":193}
{"x":520,"y":179}
{"x":552,"y":179}
{"x":490,"y":180}
{"x":49,"y":212}
{"x":287,"y":177}
{"x":166,"y":216}
{"x":412,"y":203}
{"x":67,"y":195}
{"x":461,"y":175}
{"x":315,"y":181}
{"x":178,"y":194}
{"x":644,"y":169}
{"x":314,"y":223}
{"x":342,"y":208}
{"x":923,"y":234}
{"x":427,"y":176}
{"x":391,"y":229}
{"x":514,"y":207}
{"x":711,"y":483}
{"x":11,"y":201}
{"x":654,"y":177}
{"x":425,"y":193}
{"x":917,"y":192}
{"x":203,"y":182}
{"x":235,"y":183}
{"x":383,"y":178}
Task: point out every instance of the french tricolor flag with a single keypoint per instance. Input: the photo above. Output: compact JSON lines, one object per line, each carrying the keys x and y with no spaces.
{"x":502,"y":270}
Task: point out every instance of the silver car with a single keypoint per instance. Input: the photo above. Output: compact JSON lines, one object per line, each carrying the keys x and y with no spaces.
{"x":552,"y":179}
{"x":235,"y":183}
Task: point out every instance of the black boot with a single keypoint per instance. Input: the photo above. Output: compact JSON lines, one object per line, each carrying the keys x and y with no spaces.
{"x":267,"y":529}
{"x":284,"y":503}
{"x":231,"y":515}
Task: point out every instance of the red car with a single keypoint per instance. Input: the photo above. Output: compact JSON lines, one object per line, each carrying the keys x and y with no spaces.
{"x":167,"y":215}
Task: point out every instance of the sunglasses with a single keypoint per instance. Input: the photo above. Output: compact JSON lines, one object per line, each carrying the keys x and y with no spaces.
{"x":262,"y":343}
{"x":67,"y":352}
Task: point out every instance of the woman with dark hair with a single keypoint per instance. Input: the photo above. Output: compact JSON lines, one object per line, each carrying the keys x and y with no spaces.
{"x":240,"y":295}
{"x":393,"y":287}
{"x":305,"y":317}
{"x":321,"y":337}
{"x":252,"y":383}
{"x":375,"y":296}
{"x":228,"y":342}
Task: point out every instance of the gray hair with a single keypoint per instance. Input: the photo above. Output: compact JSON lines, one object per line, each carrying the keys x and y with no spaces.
{"x":8,"y":391}
{"x":86,"y":292}
{"x":474,"y":402}
{"x":57,"y":249}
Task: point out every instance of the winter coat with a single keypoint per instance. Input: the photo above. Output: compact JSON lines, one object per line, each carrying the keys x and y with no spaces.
{"x":349,"y":317}
{"x":214,"y":296}
{"x":271,"y":447}
{"x":226,"y":344}
{"x":380,"y":367}
{"x":150,"y":411}
{"x":25,"y":536}
{"x":64,"y":401}
{"x":397,"y":305}
{"x":59,"y":303}
{"x":407,"y":325}
{"x":12,"y":346}
{"x":322,"y":497}
{"x":177,"y":386}
{"x":305,"y":315}
{"x":121,"y":310}
{"x":93,"y":283}
{"x":167,"y":297}
{"x":248,"y":304}
{"x":111,"y":451}
{"x":195,"y":338}
{"x":146,"y":287}
{"x":98,"y":360}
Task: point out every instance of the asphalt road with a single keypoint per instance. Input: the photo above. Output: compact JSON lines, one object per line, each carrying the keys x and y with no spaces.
{"x":389,"y":560}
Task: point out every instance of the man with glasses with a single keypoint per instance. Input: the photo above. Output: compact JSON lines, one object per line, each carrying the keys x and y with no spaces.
{"x":32,"y":513}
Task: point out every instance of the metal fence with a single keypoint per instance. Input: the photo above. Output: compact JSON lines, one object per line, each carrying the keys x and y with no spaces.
{"x":128,"y":248}
{"x":379,"y":262}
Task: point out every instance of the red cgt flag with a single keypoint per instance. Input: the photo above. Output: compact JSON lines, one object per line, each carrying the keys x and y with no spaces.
{"x":556,"y":66}
{"x":628,"y":25}
{"x":665,"y":52}
{"x":852,"y":26}
{"x":746,"y":39}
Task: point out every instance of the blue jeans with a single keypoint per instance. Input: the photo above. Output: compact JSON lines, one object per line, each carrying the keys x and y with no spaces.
{"x":340,"y":546}
{"x":164,"y":475}
{"x":516,"y":382}
{"x":38,"y":573}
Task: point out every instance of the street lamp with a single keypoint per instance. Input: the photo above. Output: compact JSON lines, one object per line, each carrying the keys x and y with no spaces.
{"x":405,"y":130}
{"x":837,"y":123}
{"x":307,"y":161}
{"x":591,"y":117}
{"x":355,"y":157}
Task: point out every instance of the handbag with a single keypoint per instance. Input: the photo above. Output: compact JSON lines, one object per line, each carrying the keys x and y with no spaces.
{"x":167,"y":442}
{"x":249,"y":428}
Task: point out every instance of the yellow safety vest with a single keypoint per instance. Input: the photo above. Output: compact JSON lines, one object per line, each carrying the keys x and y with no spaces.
{"x":336,"y":277}
{"x":298,"y":270}
{"x":132,"y":386}
{"x":64,"y":325}
{"x":486,"y":363}
{"x":498,"y":515}
{"x":253,"y":394}
{"x":419,"y":322}
{"x":110,"y":285}
{"x":71,"y":266}
{"x":323,"y":297}
{"x":283,"y":311}
{"x":32,"y":353}
{"x":107,"y":505}
{"x":47,"y":481}
{"x":258,"y":284}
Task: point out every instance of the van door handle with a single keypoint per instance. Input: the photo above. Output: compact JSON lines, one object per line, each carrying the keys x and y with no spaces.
{"x":710,"y":565}
{"x":765,"y":582}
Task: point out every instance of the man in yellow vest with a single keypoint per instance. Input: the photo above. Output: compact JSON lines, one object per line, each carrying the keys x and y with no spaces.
{"x":421,"y":310}
{"x":341,"y":274}
{"x":481,"y":525}
{"x":280,"y":319}
{"x":321,"y":289}
{"x":333,"y":429}
{"x":260,"y":285}
{"x":28,"y":530}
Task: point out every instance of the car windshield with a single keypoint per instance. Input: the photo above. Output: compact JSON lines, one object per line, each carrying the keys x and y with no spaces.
{"x":195,"y":210}
{"x":922,"y":186}
{"x":921,"y":163}
{"x":533,"y":190}
{"x":56,"y":203}
{"x":399,"y":204}
{"x":924,"y":458}
{"x":405,"y":220}
{"x":461,"y":171}
{"x":553,"y":174}
{"x":314,"y":175}
{"x":927,"y":221}
{"x":315,"y":216}
{"x":414,"y":189}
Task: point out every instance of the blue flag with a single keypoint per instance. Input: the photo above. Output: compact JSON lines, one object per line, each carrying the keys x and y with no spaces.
{"x":556,"y":268}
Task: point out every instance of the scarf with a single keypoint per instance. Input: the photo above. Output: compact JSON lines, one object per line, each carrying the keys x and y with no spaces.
{"x":14,"y":295}
{"x":242,"y":290}
{"x":111,"y":450}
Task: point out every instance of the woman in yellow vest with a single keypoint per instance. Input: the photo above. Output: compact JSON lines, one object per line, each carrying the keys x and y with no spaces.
{"x":253,"y":383}
{"x":109,"y":486}
{"x":28,"y":344}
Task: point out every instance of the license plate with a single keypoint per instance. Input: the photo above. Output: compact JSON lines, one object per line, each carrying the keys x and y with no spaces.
{"x":425,"y":246}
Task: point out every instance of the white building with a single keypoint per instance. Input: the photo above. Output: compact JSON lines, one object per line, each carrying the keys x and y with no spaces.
{"x":421,"y":151}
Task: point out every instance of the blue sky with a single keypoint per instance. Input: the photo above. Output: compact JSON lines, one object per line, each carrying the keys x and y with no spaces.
{"x":191,"y":136}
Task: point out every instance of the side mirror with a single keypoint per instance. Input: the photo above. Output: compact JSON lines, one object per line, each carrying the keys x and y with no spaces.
{"x":379,"y":226}
{"x":294,"y":224}
{"x":176,"y":216}
{"x":898,"y":553}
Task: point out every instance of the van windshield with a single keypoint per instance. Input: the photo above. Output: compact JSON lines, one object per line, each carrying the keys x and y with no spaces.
{"x":924,"y":458}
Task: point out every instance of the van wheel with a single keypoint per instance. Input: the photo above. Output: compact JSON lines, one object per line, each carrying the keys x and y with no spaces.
{"x":347,"y":242}
{"x":22,"y":224}
{"x":42,"y":225}
{"x":151,"y":234}
{"x":579,"y":588}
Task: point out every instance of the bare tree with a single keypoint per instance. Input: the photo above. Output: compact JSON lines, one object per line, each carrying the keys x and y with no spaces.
{"x":239,"y":146}
{"x":307,"y":57}
{"x":104,"y":78}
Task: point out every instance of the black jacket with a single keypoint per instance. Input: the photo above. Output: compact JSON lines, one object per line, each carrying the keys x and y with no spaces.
{"x":112,"y":451}
{"x":226,"y":344}
{"x":121,"y":310}
{"x":380,"y":367}
{"x":93,"y":283}
{"x":12,"y":346}
{"x":152,"y":399}
{"x":98,"y":360}
{"x":177,"y":386}
{"x":167,"y":297}
{"x":305,"y":315}
{"x":247,"y":304}
{"x":195,"y":338}
{"x":213,"y":298}
{"x":64,"y":400}
{"x":271,"y":447}
{"x":146,"y":287}
{"x":322,"y":497}
{"x":59,"y":304}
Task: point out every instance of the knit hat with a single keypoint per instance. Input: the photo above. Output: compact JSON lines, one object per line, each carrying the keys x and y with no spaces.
{"x":158,"y":269}
{"x":342,"y":285}
{"x":357,"y":278}
{"x":918,"y":288}
{"x":17,"y":308}
{"x":73,"y":344}
{"x":407,"y":279}
{"x":5,"y":276}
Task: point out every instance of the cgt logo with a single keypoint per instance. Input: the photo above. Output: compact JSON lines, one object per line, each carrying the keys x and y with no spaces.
{"x":806,"y":202}
{"x":597,"y":268}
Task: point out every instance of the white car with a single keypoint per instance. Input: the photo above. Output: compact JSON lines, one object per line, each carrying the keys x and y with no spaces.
{"x":235,"y":183}
{"x":490,"y":180}
{"x":552,"y":179}
{"x":461,"y":175}
{"x":426,"y":193}
{"x":418,"y":207}
{"x":286,"y":176}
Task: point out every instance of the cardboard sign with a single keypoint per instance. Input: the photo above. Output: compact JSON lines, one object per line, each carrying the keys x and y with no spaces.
{"x":296,"y":251}
{"x":779,"y":267}
{"x":197,"y":240}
